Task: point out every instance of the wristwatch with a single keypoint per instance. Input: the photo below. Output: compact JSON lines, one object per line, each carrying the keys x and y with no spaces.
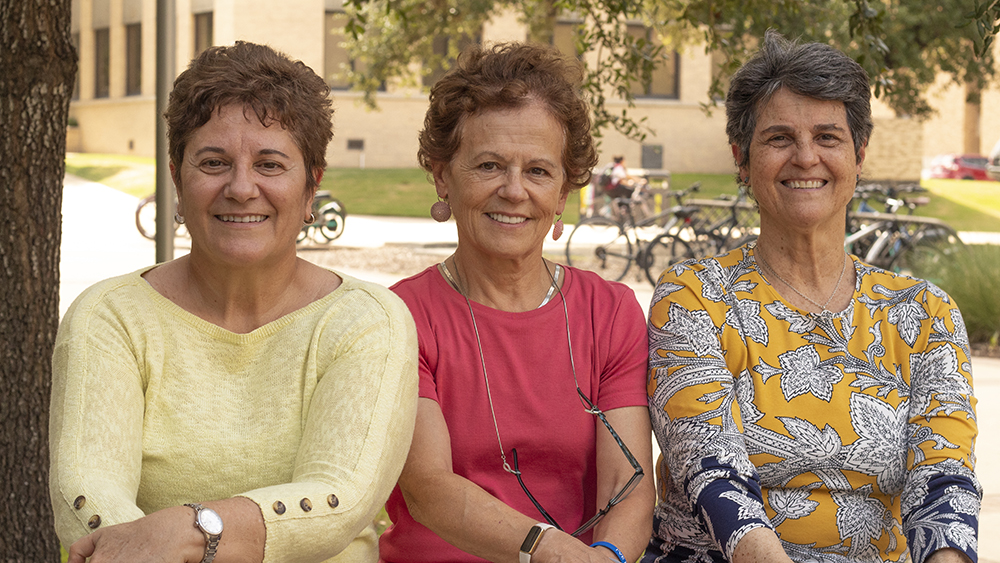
{"x":210,"y":524}
{"x":531,"y":541}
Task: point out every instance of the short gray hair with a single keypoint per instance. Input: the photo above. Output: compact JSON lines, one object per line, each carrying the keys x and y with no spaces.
{"x":808,"y":69}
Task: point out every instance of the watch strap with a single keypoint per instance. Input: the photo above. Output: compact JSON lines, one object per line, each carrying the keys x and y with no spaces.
{"x":530,"y":543}
{"x":211,"y":540}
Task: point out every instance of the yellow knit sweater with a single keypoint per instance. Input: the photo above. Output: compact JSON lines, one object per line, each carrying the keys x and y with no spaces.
{"x":309,"y":416}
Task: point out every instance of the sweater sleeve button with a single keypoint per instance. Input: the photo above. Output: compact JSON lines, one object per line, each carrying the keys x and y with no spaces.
{"x":279,"y":507}
{"x":333,"y":501}
{"x":94,"y":522}
{"x":306,"y":505}
{"x":79,"y":501}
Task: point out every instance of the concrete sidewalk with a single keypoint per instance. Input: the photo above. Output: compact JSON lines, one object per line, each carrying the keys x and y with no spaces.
{"x":100,"y":240}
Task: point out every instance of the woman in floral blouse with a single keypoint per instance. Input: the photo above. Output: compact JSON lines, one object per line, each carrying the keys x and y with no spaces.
{"x":809,"y":407}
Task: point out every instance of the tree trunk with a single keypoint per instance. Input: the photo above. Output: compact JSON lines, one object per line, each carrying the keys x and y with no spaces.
{"x":38,"y":65}
{"x":972,"y":143}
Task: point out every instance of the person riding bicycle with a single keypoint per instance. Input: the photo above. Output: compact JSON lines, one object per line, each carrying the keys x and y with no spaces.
{"x":621,"y":184}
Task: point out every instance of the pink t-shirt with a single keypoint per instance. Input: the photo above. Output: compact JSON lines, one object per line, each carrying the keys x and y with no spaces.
{"x":537,"y":408}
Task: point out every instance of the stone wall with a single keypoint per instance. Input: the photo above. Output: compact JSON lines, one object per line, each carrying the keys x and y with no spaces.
{"x":895,"y":151}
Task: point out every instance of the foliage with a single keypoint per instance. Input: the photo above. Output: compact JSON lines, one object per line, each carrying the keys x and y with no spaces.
{"x":903,"y":44}
{"x":970,"y":278}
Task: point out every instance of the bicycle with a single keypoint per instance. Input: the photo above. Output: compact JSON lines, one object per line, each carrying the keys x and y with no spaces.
{"x":145,"y":219}
{"x":700,"y":236}
{"x":609,"y":245}
{"x":331,"y":218}
{"x":898,"y":243}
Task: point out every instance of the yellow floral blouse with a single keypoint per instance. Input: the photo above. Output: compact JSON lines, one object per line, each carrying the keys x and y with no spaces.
{"x":850,"y":434}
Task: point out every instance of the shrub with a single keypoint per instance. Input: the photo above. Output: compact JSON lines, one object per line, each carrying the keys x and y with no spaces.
{"x":970,"y":277}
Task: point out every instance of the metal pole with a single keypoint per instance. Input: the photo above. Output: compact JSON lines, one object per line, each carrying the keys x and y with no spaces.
{"x":165,"y":43}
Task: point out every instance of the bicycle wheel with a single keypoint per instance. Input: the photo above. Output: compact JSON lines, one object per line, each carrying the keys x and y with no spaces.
{"x":661,"y":253}
{"x":924,"y":255}
{"x":331,"y":220}
{"x":145,"y":217}
{"x":600,"y":245}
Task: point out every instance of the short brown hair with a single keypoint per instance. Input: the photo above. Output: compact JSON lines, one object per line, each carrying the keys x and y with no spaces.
{"x":265,"y":82}
{"x":505,"y":76}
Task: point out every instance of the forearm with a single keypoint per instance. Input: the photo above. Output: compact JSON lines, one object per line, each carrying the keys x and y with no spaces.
{"x":466,"y":516}
{"x":629,"y":524}
{"x":169,"y":535}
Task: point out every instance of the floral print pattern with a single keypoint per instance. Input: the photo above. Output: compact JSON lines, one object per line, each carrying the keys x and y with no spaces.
{"x":851,"y":435}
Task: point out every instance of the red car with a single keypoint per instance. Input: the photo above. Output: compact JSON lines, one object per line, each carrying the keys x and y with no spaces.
{"x":958,"y":167}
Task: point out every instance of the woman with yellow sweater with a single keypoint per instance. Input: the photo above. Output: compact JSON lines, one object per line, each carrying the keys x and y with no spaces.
{"x":238,"y":403}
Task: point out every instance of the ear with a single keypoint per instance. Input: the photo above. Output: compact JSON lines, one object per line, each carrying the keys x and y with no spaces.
{"x":861,"y":157}
{"x":439,"y":170}
{"x":318,"y":175}
{"x":737,"y":157}
{"x":561,"y":206}
{"x":177,"y":185}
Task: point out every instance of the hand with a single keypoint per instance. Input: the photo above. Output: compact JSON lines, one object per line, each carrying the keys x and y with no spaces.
{"x":166,"y":536}
{"x":559,"y":547}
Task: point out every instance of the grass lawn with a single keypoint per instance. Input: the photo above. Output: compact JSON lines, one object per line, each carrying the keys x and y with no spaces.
{"x":966,"y":205}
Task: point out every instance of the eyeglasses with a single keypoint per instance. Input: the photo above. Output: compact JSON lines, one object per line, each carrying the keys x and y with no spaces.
{"x":630,"y":486}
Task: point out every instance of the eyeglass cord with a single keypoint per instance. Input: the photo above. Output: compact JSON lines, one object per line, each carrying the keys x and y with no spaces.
{"x":482,"y":357}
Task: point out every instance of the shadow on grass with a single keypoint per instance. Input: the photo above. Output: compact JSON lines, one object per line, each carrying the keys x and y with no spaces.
{"x":94,"y":173}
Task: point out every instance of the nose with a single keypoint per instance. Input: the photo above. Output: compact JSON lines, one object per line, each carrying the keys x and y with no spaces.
{"x":805,"y":154}
{"x":513,"y":188}
{"x":242,"y":185}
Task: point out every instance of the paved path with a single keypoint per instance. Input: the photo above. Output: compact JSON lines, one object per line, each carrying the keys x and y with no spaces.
{"x":100,"y":240}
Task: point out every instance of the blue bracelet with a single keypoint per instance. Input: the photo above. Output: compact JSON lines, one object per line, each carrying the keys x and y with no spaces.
{"x":618,"y":553}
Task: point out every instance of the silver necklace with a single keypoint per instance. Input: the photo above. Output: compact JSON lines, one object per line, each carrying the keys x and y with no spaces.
{"x":482,"y":357}
{"x":548,"y":295}
{"x":823,"y":310}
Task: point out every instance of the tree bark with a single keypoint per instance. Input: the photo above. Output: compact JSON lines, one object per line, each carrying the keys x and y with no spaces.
{"x":972,"y":142}
{"x":38,"y":65}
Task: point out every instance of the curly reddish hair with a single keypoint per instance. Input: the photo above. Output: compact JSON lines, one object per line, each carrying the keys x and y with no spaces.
{"x":506,"y":76}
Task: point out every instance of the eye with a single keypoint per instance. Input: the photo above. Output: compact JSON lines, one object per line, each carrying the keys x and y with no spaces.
{"x":828,"y":139}
{"x":539,"y":171}
{"x":780,"y":140}
{"x":270,"y":167}
{"x":489,"y":166}
{"x":213,"y":165}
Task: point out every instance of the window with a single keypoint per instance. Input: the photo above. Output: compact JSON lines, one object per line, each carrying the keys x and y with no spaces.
{"x":133,"y":59}
{"x":564,"y":37}
{"x":664,"y":82}
{"x":442,"y":48}
{"x":102,"y":63}
{"x":202,"y":32}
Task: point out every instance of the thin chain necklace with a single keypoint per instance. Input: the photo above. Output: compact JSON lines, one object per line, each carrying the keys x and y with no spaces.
{"x":824,"y":311}
{"x":482,"y":358}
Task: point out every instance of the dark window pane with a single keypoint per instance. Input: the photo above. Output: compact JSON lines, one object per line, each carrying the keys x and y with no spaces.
{"x":664,"y":81}
{"x":133,"y":59}
{"x":202,"y":32}
{"x":102,"y":63}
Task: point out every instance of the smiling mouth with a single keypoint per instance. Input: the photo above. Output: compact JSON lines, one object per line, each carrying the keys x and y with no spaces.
{"x":804,"y":184}
{"x":241,"y":218}
{"x":506,"y":218}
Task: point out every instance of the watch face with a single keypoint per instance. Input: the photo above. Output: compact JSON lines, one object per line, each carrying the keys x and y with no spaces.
{"x":210,"y":521}
{"x":528,"y":546}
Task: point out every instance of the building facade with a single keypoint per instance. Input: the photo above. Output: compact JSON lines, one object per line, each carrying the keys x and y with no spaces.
{"x":114,"y":104}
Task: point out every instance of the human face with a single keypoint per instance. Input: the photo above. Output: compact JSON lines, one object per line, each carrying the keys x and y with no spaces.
{"x":242,"y":189}
{"x":802,"y":164}
{"x":506,"y":182}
